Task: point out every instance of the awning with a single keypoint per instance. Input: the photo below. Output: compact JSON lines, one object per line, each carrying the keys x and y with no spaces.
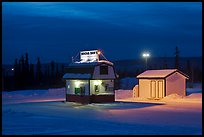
{"x":76,"y":76}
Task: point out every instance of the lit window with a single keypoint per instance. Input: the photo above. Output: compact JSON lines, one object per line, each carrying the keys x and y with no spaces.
{"x":97,"y":82}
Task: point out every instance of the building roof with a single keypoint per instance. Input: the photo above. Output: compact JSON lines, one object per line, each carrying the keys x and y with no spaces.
{"x":79,"y":69}
{"x":76,"y":76}
{"x":159,"y":73}
{"x":91,"y":63}
{"x":84,"y":68}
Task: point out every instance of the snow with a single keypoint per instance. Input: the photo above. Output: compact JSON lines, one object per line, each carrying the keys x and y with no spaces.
{"x":33,"y":96}
{"x":74,"y":75}
{"x":105,"y":61}
{"x":121,"y":94}
{"x":156,"y":73}
{"x":44,"y":112}
{"x":80,"y":63}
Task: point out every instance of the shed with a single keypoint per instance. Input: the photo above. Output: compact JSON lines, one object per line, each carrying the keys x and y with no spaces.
{"x":156,"y":84}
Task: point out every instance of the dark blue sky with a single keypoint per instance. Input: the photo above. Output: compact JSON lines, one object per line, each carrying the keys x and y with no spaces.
{"x":57,"y":31}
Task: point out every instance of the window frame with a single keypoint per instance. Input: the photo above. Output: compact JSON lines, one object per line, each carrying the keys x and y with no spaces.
{"x":103,"y":70}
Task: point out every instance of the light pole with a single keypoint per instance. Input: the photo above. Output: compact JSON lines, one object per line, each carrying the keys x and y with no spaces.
{"x":146,"y":55}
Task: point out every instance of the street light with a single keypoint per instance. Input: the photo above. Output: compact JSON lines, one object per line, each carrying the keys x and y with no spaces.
{"x":146,"y":55}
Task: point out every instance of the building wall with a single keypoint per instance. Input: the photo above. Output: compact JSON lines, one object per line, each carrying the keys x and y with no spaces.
{"x":90,"y":99}
{"x":151,"y":88}
{"x":101,"y":86}
{"x":144,"y":88}
{"x":71,"y":84}
{"x":96,"y":74}
{"x":176,"y":83}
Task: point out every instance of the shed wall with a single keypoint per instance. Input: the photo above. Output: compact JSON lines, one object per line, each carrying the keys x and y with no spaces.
{"x":144,"y":88}
{"x":176,"y":83}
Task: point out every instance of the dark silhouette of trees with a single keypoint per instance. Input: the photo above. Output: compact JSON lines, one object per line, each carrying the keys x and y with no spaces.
{"x":38,"y":73}
{"x":61,"y":71}
{"x":188,"y":68}
{"x":57,"y":74}
{"x":22,"y":75}
{"x":176,"y":58}
{"x":26,"y":70}
{"x":165,"y":66}
{"x":16,"y":74}
{"x":31,"y":76}
{"x":50,"y":75}
{"x":22,"y":78}
{"x":52,"y":71}
{"x":188,"y":71}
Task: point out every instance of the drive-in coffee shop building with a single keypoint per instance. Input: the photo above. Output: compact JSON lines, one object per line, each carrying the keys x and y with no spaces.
{"x":90,"y":80}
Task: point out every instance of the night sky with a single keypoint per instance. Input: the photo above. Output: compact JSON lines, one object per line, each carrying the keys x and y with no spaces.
{"x":57,"y":31}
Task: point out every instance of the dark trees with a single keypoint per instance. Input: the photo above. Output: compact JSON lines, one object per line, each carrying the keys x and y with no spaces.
{"x":176,"y":58}
{"x":38,"y":72}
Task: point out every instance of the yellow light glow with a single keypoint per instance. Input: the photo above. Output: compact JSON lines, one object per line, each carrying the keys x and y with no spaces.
{"x":77,"y":83}
{"x":99,"y":52}
{"x":97,"y":82}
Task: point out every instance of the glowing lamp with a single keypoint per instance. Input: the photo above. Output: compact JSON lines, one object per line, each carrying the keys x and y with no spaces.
{"x":99,"y":52}
{"x":145,"y":55}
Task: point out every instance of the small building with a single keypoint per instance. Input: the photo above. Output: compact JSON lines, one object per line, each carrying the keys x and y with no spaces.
{"x":156,"y":84}
{"x":90,"y":81}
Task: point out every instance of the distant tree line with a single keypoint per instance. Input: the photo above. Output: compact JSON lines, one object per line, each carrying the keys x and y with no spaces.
{"x":29,"y":76}
{"x":194,"y":72}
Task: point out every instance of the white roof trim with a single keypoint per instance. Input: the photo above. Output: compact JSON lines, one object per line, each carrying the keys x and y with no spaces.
{"x":156,"y":73}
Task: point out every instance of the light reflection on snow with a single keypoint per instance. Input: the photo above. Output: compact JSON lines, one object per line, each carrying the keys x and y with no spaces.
{"x":45,"y":112}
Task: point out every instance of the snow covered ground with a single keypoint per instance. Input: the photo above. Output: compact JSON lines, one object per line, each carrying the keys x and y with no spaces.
{"x":44,"y":112}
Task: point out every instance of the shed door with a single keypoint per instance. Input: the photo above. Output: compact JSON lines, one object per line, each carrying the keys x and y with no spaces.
{"x":156,"y":89}
{"x":153,"y":89}
{"x":160,"y":89}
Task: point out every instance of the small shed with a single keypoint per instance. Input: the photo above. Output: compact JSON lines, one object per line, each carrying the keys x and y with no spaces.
{"x":156,"y":84}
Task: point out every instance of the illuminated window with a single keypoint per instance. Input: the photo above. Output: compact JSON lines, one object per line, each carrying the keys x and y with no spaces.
{"x":104,"y":70}
{"x":80,"y":90}
{"x":97,"y":82}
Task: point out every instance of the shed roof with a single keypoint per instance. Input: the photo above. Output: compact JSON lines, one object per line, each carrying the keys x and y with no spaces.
{"x":76,"y":76}
{"x":160,"y":73}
